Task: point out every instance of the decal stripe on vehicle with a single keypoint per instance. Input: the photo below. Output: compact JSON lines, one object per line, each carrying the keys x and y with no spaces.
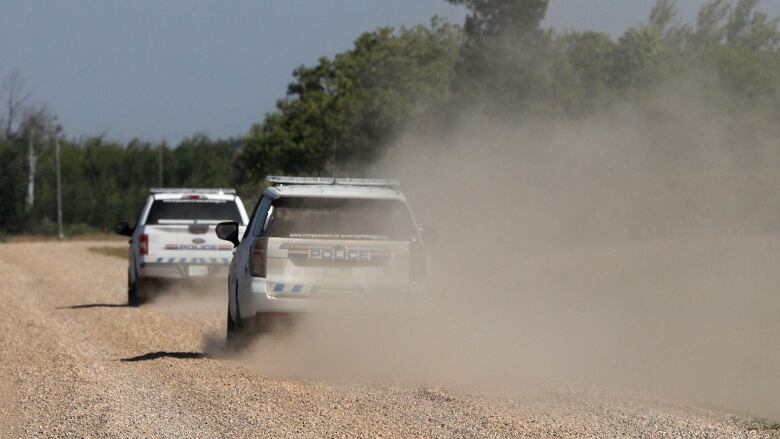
{"x":185,"y":260}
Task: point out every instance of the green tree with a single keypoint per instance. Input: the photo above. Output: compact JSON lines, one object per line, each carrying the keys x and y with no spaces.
{"x":591,"y":56}
{"x":201,"y":162}
{"x":13,"y":182}
{"x":354,"y":103}
{"x":504,"y":61}
{"x":751,"y":28}
{"x":637,"y":58}
{"x":492,"y":18}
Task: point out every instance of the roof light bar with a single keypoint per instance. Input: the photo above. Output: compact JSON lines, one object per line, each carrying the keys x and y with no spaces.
{"x":187,"y":190}
{"x":281,"y":179}
{"x":384,"y":182}
{"x":379,"y":182}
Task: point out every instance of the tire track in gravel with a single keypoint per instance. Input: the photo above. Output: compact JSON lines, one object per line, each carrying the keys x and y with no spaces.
{"x":62,"y":377}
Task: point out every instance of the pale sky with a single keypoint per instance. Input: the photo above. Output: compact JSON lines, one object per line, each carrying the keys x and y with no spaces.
{"x":167,"y":69}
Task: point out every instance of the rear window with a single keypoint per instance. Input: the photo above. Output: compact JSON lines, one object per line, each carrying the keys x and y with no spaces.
{"x":340,"y":218}
{"x":187,"y":211}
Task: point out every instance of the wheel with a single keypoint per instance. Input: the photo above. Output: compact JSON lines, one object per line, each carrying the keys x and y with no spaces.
{"x":133,"y":296}
{"x":232,"y":327}
{"x":237,"y":333}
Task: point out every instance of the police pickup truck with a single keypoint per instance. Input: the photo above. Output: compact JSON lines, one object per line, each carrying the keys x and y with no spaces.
{"x":175,"y":239}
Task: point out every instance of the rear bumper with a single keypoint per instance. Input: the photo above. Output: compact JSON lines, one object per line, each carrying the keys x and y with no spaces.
{"x":182,"y":271}
{"x":262,"y":302}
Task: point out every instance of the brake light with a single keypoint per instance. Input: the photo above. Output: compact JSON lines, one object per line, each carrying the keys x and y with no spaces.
{"x":143,"y":244}
{"x":259,"y":259}
{"x":418,"y":262}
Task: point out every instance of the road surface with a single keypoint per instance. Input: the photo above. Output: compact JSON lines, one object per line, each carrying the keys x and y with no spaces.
{"x":76,"y":362}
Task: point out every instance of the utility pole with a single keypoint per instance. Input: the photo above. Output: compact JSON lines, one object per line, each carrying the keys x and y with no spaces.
{"x":60,"y":232}
{"x":162,"y":164}
{"x":334,"y":160}
{"x":31,"y":161}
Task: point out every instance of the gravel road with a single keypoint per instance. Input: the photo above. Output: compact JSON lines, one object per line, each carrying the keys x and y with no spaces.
{"x":76,"y":362}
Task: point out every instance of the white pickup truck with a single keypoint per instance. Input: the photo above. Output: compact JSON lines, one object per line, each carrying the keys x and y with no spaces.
{"x":174,"y":238}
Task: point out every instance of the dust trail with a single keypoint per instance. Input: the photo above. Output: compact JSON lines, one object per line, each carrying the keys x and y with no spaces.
{"x":633,"y":248}
{"x":190,"y":297}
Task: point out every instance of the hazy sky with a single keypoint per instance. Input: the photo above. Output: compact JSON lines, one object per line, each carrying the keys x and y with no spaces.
{"x":166,"y":69}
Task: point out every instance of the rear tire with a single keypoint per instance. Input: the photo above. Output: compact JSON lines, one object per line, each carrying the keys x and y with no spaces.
{"x":237,"y":335}
{"x":232,"y":329}
{"x":133,"y":296}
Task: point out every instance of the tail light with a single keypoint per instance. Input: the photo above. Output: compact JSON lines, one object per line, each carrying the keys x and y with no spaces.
{"x":259,"y":260}
{"x":418,"y":262}
{"x":143,"y":244}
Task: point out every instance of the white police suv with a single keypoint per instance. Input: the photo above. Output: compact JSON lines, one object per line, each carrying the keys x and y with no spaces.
{"x":314,"y":238}
{"x":174,"y":238}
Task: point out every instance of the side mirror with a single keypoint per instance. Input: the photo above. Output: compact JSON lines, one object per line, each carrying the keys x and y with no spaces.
{"x":228,"y":231}
{"x":124,"y":229}
{"x":429,"y":236}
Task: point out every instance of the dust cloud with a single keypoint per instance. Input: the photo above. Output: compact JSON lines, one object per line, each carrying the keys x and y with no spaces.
{"x":634,"y":248}
{"x":188,"y":297}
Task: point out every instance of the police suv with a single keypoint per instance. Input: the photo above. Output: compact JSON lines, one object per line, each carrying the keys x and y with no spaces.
{"x":174,"y":238}
{"x":315,"y":238}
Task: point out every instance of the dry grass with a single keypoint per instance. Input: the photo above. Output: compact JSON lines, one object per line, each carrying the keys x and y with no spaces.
{"x":95,"y":236}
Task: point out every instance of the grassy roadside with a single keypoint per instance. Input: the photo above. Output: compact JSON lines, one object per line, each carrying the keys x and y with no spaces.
{"x":93,"y":236}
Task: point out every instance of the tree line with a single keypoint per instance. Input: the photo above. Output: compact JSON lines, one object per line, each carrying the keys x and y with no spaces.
{"x":342,"y":113}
